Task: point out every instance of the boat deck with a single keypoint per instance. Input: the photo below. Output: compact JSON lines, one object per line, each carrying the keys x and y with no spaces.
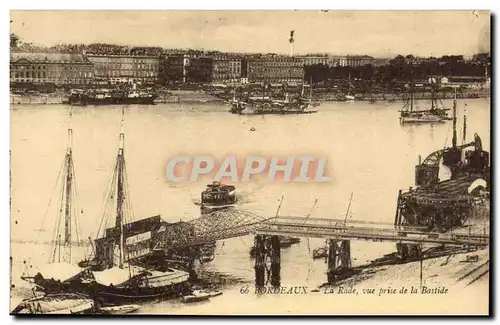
{"x":448,"y":189}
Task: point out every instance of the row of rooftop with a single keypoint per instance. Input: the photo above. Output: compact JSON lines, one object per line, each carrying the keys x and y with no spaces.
{"x":309,"y":59}
{"x":79,"y":64}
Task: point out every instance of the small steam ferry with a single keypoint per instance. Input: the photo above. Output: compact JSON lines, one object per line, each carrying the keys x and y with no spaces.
{"x":218,"y":196}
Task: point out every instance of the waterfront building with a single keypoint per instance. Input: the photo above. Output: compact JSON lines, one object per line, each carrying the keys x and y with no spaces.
{"x":355,"y":60}
{"x":334,"y":60}
{"x":198,"y":69}
{"x":274,"y":69}
{"x":50,"y":68}
{"x":197,"y":66}
{"x":175,"y":66}
{"x":379,"y":62}
{"x":172,"y":69}
{"x":125,"y":68}
{"x":226,"y":69}
{"x":476,"y":82}
{"x":314,"y":60}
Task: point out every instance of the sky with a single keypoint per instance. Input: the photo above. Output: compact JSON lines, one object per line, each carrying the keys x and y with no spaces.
{"x":377,"y":33}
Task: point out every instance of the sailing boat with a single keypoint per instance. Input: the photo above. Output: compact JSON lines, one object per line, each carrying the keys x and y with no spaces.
{"x":307,"y":103}
{"x":59,"y":274}
{"x":60,"y":271}
{"x":119,"y":280}
{"x":431,"y":115}
{"x":234,"y":101}
{"x":348,"y":96}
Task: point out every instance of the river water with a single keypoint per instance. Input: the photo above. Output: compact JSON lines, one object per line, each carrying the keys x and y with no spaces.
{"x":368,"y":154}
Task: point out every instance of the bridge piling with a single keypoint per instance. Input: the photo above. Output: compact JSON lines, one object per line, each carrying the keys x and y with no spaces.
{"x":339,"y":259}
{"x":275,"y":255}
{"x":267,"y":249}
{"x":259,"y":244}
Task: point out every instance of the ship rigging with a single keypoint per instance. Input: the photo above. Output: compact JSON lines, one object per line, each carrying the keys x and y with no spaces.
{"x":410,"y":114}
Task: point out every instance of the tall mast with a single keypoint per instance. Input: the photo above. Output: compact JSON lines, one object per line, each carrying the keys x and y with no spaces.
{"x":349,"y":85}
{"x":120,"y":192}
{"x":69,"y":178}
{"x":485,"y":73}
{"x":310,"y":90}
{"x":465,"y":123}
{"x":454,"y":140}
{"x":69,"y":181}
{"x":432,"y":92}
{"x":411,"y":97}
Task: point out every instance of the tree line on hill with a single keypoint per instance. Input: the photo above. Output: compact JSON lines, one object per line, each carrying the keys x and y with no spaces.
{"x":404,"y":69}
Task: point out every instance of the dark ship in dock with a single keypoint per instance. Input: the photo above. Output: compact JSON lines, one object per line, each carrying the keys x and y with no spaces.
{"x":118,"y":96}
{"x":440,"y":205}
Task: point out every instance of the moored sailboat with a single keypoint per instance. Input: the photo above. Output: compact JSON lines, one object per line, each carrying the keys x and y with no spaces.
{"x":409,"y":113}
{"x":59,"y":274}
{"x":349,"y":97}
{"x":116,"y":278}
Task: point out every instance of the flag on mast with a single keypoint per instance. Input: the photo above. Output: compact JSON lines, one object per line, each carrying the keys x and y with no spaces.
{"x":291,"y":36}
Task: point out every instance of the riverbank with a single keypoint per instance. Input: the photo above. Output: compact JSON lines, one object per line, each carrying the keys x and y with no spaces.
{"x":201,"y":97}
{"x":175,"y":96}
{"x":401,"y":97}
{"x":429,"y":287}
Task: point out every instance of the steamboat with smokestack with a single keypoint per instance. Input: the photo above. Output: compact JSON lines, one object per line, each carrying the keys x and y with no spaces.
{"x":441,"y":205}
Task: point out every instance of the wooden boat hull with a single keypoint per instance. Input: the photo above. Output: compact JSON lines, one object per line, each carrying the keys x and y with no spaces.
{"x":418,"y":120}
{"x":320,"y":253}
{"x":191,"y":299}
{"x":112,"y":296}
{"x":196,"y":297}
{"x":118,"y":310}
{"x":278,"y":112}
{"x":56,"y":304}
{"x":86,"y":100}
{"x":205,"y":208}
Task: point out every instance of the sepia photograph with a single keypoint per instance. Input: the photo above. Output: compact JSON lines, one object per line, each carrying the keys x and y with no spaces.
{"x":261,"y":163}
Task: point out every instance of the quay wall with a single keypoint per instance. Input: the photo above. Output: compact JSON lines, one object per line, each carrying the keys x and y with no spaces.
{"x":193,"y":96}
